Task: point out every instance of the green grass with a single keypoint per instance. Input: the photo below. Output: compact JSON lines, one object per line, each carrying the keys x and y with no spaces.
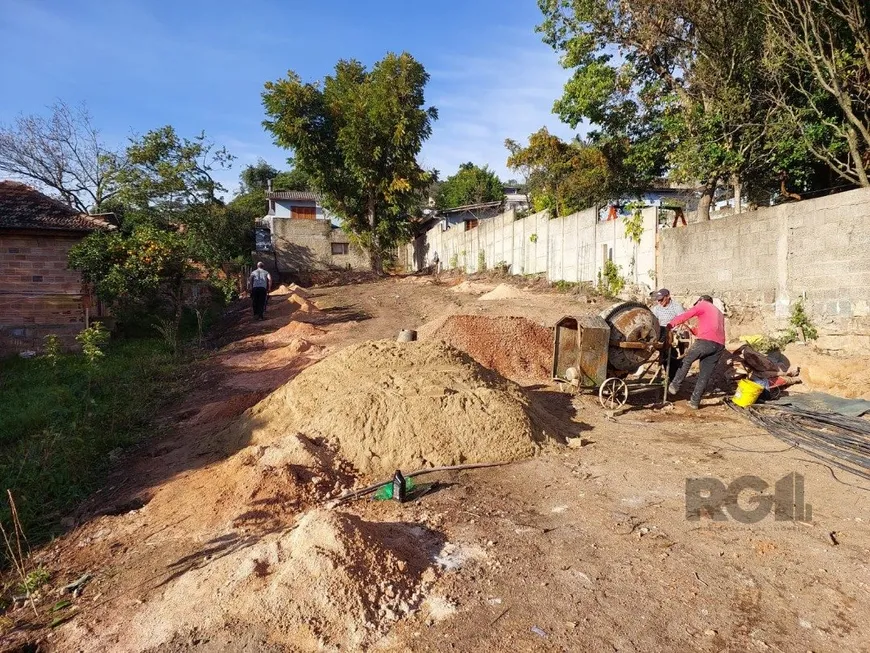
{"x":58,"y":424}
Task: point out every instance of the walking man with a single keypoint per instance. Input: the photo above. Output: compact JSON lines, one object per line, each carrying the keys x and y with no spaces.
{"x":259,"y":285}
{"x":709,"y":343}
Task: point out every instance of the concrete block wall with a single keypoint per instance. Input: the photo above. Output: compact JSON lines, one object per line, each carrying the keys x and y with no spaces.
{"x":763,"y":261}
{"x":571,"y":248}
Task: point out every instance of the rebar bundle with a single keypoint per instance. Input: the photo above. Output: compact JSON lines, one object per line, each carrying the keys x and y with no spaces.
{"x":841,"y":441}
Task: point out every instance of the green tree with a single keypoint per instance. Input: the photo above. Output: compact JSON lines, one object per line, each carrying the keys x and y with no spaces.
{"x":357,"y":135}
{"x":293,"y":179}
{"x":684,"y":91}
{"x":256,"y":177}
{"x":470,"y":185}
{"x":132,"y":270}
{"x":173,"y":226}
{"x":563,"y":177}
{"x":818,"y":55}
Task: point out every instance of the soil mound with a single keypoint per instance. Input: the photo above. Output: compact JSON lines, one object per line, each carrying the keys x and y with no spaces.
{"x":502,"y":291}
{"x":293,"y":330}
{"x":259,"y":488}
{"x":472,"y":288}
{"x":332,"y":582}
{"x":271,"y":358}
{"x":386,"y":405}
{"x":515,"y":347}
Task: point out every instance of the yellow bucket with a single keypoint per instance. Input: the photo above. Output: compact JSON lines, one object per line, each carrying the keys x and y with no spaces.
{"x":747,"y":393}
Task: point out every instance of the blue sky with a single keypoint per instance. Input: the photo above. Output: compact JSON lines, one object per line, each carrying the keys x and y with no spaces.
{"x":140,"y":64}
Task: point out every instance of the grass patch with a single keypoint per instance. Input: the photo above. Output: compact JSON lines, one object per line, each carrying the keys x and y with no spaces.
{"x":61,"y":418}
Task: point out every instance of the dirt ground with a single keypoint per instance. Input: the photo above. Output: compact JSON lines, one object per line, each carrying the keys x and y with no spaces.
{"x":585,"y":547}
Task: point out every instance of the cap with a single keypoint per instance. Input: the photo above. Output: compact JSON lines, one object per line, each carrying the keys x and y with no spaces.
{"x":661,"y":294}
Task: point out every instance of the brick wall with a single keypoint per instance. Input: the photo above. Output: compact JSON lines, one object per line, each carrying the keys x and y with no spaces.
{"x":39,"y":294}
{"x":761,"y":262}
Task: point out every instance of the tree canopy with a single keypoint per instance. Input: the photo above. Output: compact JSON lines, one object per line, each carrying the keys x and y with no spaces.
{"x":356,"y":135}
{"x":563,"y":177}
{"x":718,"y":92}
{"x":172,"y":223}
{"x":470,"y":185}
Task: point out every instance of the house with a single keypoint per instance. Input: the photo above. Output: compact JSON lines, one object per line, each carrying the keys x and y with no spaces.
{"x":39,"y":294}
{"x":298,"y":234}
{"x":515,"y":198}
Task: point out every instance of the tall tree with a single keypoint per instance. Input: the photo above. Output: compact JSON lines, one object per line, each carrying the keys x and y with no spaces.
{"x":63,"y":153}
{"x":256,"y":176}
{"x":470,"y":185}
{"x":665,"y":81}
{"x":293,"y":179}
{"x":818,"y":52}
{"x":563,"y":177}
{"x":357,"y":135}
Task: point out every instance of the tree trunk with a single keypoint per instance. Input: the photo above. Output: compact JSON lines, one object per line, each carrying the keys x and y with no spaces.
{"x":375,"y":247}
{"x":738,"y":194}
{"x":707,"y":199}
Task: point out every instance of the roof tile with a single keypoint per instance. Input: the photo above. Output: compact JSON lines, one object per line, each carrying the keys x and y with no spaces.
{"x":23,"y":207}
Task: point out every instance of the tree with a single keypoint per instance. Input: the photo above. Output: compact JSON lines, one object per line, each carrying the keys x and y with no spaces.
{"x":256,"y":177}
{"x":357,"y":135}
{"x":564,"y":177}
{"x":63,"y":153}
{"x":168,"y":179}
{"x":293,"y":179}
{"x":132,"y":270}
{"x":683,"y":90}
{"x":818,"y":53}
{"x":470,"y":185}
{"x":174,"y":223}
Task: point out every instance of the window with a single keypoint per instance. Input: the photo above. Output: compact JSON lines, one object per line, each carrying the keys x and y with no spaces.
{"x":305,"y":212}
{"x":339,"y":249}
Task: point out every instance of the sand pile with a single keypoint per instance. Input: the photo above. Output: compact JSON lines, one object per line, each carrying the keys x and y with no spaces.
{"x":503,"y":291}
{"x":333,"y":582}
{"x":267,"y":359}
{"x":386,"y":405}
{"x":472,"y":288}
{"x":838,"y":375}
{"x":303,"y":304}
{"x":292,"y":330}
{"x":258,"y":489}
{"x":515,"y":347}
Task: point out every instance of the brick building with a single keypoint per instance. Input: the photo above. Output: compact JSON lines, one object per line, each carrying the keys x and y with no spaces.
{"x":39,"y":294}
{"x":299,"y":235}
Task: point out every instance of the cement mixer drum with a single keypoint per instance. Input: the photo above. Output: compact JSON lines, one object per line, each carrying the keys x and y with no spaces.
{"x":634,"y":332}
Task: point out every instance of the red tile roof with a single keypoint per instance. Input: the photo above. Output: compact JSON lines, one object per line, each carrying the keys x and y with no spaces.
{"x":23,"y":207}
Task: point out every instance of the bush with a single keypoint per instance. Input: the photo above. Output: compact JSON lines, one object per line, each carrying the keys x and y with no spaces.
{"x":610,"y":279}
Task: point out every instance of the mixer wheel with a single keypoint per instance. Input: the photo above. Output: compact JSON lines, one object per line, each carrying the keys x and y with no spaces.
{"x":613,"y":393}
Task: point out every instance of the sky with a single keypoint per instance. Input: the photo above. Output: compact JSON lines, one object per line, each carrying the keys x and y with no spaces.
{"x":141,"y":64}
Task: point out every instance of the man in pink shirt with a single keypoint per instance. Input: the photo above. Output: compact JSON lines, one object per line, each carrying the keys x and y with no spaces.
{"x":709,"y":343}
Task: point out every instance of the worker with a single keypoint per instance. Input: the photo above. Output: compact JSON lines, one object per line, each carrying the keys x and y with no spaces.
{"x":259,"y":285}
{"x":708,"y":345}
{"x":666,"y":308}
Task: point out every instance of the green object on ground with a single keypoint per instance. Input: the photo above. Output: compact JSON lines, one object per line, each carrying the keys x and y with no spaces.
{"x":385,"y":493}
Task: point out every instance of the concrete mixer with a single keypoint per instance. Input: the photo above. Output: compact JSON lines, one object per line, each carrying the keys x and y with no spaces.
{"x":604,"y":352}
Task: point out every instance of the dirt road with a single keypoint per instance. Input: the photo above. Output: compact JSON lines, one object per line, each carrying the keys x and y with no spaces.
{"x":586,"y":547}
